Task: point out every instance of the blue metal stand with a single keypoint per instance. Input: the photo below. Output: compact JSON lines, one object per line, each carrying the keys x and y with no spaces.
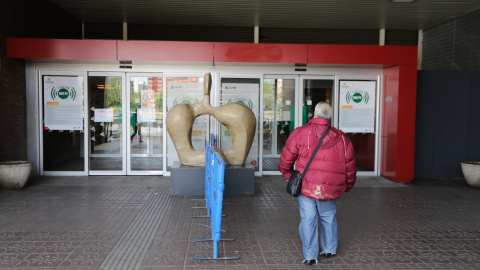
{"x":214,"y":187}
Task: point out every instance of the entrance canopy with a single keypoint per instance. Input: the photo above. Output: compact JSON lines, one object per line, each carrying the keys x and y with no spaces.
{"x":399,"y":64}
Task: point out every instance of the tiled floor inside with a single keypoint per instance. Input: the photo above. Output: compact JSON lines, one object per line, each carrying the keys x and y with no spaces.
{"x":132,"y":222}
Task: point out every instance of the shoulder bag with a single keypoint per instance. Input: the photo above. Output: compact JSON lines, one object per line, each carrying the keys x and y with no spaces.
{"x":294,"y":185}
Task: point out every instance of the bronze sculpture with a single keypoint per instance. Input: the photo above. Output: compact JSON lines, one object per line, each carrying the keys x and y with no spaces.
{"x":237,"y":118}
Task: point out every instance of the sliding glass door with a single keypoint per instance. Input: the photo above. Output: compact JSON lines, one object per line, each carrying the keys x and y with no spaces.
{"x":125,"y":123}
{"x":106,"y":128}
{"x":145,"y":118}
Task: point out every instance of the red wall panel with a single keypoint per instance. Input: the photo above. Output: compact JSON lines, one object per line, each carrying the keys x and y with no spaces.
{"x":397,"y":159}
{"x":61,"y":49}
{"x":408,"y":55}
{"x":203,"y":52}
{"x":260,"y":53}
{"x":388,"y":162}
{"x":405,"y":159}
{"x":407,"y":101}
{"x":398,"y":123}
{"x":353,"y":54}
{"x":165,"y":51}
{"x":391,"y":85}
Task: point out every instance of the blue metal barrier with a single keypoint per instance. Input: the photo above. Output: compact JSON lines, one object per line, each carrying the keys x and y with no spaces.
{"x":214,"y":187}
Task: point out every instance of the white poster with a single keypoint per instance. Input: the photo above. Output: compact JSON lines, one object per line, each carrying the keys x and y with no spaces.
{"x":186,"y":93}
{"x":63,"y":102}
{"x":103,"y":115}
{"x":146,"y":115}
{"x":148,"y":99}
{"x":246,"y":94}
{"x":357,"y":106}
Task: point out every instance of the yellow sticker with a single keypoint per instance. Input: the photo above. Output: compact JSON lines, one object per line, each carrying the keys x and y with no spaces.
{"x":196,"y":133}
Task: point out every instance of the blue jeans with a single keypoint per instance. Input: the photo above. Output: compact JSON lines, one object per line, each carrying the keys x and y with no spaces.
{"x":310,"y":211}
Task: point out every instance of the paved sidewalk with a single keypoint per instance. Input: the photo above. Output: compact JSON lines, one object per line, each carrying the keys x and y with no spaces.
{"x":132,"y":222}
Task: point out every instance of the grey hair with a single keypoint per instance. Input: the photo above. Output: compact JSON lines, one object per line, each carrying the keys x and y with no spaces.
{"x":323,"y":110}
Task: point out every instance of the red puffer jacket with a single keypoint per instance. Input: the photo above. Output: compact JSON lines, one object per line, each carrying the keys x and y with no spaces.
{"x":333,"y":169}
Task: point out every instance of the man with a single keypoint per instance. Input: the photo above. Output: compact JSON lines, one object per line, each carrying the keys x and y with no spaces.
{"x":331,"y":173}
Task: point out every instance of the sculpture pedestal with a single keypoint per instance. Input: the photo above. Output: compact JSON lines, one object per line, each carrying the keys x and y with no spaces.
{"x":190,"y":181}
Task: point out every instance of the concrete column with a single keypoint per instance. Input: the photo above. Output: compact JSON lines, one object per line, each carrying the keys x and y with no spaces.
{"x":256,"y":34}
{"x":381,"y":38}
{"x":420,"y":50}
{"x":125,"y":31}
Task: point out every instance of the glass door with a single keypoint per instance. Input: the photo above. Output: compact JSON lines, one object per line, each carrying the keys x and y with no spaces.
{"x":279,"y":116}
{"x":106,"y":127}
{"x":184,"y":89}
{"x":243,"y":89}
{"x":315,"y":90}
{"x":145,"y":118}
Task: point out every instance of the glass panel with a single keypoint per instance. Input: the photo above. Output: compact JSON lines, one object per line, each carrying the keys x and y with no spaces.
{"x":105,"y":125}
{"x":364,"y":145}
{"x":278,"y":119}
{"x":186,"y":90}
{"x":314,"y":91}
{"x":357,"y":118}
{"x":146,"y":120}
{"x":63,"y":137}
{"x":247,"y":92}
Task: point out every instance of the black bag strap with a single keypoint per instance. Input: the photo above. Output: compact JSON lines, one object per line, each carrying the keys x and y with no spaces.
{"x":315,"y":152}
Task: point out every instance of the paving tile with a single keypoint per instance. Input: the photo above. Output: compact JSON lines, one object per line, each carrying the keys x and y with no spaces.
{"x":34,"y":236}
{"x":361,"y":257}
{"x":277,"y":245}
{"x":103,"y":236}
{"x":8,"y":261}
{"x":69,"y":236}
{"x":421,"y":244}
{"x":57,"y":247}
{"x":436,"y":257}
{"x":94,"y":246}
{"x":84,"y":260}
{"x":76,"y":222}
{"x":382,"y":244}
{"x":43,"y":260}
{"x":10,"y":236}
{"x":14,"y":247}
{"x":397,"y":257}
{"x":239,"y":245}
{"x":469,"y":256}
{"x":249,"y":258}
{"x":282,"y":257}
{"x":169,"y":246}
{"x":449,"y":244}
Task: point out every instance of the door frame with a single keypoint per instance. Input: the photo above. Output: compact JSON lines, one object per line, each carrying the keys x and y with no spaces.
{"x":128,"y":146}
{"x":334,"y":95}
{"x":295,"y":77}
{"x":378,"y":116}
{"x":299,"y":79}
{"x":215,"y":129}
{"x":40,"y":121}
{"x":125,"y":128}
{"x":166,"y":74}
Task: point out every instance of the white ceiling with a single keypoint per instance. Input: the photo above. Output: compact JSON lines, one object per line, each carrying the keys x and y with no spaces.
{"x":319,"y":14}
